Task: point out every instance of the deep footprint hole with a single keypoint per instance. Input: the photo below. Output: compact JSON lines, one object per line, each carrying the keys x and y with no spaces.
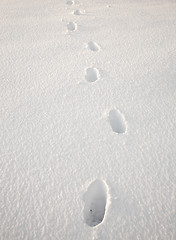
{"x":70,"y":2}
{"x":95,"y":203}
{"x":117,"y":121}
{"x":93,"y":46}
{"x":92,"y":74}
{"x":77,"y":12}
{"x":71,"y":26}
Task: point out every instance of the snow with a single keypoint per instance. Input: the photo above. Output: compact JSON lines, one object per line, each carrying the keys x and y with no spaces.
{"x":87,"y":119}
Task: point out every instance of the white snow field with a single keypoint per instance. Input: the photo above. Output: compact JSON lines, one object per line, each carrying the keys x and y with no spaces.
{"x":88,"y":119}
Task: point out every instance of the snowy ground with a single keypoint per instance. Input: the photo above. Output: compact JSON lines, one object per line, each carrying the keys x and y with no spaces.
{"x":87,"y":119}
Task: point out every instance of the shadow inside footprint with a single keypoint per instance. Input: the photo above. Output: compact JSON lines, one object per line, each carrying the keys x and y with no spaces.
{"x":70,"y":2}
{"x":95,"y":203}
{"x":92,"y":74}
{"x":71,"y":26}
{"x":77,"y":12}
{"x":93,"y":46}
{"x":117,"y":121}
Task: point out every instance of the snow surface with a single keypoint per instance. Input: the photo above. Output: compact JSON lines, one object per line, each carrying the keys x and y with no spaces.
{"x":87,"y":112}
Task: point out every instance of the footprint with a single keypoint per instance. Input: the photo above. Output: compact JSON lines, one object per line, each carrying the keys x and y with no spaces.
{"x":93,"y":46}
{"x":92,"y":74}
{"x":71,"y":26}
{"x":117,"y":121}
{"x":95,"y":203}
{"x":77,"y":12}
{"x":70,"y":2}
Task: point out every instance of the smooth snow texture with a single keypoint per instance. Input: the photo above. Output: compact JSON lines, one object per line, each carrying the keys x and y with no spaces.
{"x":95,"y":203}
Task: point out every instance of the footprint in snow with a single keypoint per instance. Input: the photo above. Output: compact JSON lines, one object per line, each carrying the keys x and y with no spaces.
{"x":95,"y":203}
{"x":117,"y":121}
{"x":93,"y":46}
{"x":92,"y":75}
{"x":71,"y":26}
{"x":70,"y":3}
{"x":77,"y":12}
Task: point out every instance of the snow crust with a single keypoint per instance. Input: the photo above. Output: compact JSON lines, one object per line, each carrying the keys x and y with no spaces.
{"x":88,"y":92}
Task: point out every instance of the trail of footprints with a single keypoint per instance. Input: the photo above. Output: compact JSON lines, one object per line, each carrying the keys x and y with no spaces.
{"x":97,"y":196}
{"x":116,"y":118}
